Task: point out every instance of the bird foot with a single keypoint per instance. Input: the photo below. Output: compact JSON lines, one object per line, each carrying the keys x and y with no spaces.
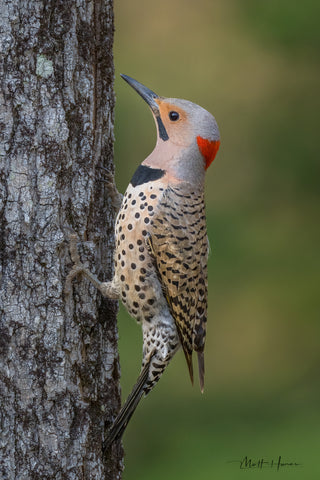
{"x":78,"y":267}
{"x":106,"y":288}
{"x":115,"y":195}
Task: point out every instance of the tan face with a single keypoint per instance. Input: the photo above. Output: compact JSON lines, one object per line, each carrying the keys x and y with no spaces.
{"x":176,"y":123}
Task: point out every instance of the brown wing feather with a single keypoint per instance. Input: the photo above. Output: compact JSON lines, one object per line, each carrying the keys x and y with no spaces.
{"x":179,"y":245}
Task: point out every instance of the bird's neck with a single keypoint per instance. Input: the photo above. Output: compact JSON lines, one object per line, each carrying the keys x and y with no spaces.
{"x":182,"y":164}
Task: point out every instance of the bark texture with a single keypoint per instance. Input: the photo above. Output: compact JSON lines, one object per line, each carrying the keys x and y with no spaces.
{"x":59,"y":366}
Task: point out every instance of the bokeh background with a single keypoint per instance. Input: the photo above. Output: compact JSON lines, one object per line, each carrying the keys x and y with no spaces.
{"x":255,"y":66}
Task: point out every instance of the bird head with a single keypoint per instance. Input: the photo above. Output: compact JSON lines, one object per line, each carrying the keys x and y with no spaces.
{"x":188,"y":135}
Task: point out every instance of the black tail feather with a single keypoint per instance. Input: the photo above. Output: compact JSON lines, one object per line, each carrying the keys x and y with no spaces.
{"x":201,"y":370}
{"x":126,"y":412}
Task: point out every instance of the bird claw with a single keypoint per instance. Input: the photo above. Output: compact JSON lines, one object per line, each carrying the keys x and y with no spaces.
{"x":78,"y":266}
{"x":106,"y":288}
{"x":115,"y":195}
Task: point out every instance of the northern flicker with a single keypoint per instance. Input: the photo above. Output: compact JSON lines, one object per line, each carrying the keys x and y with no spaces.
{"x":162,"y":247}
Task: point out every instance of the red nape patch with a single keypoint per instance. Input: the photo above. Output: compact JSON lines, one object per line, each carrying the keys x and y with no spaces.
{"x":208,"y":149}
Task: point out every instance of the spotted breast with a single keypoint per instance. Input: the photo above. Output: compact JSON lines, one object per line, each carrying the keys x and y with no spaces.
{"x":161,"y":261}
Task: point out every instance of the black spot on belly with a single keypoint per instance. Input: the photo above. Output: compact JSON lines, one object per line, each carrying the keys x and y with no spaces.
{"x":145,"y":174}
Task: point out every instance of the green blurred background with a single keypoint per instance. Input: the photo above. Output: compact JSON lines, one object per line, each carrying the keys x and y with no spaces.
{"x":254,"y":65}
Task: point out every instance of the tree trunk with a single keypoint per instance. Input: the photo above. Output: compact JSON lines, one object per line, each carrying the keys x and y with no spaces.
{"x":59,"y":366}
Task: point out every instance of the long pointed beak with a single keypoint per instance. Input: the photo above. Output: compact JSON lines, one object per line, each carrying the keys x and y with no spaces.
{"x":149,"y":96}
{"x":145,"y":92}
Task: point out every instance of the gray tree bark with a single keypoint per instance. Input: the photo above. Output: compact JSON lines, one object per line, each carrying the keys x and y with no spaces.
{"x":59,"y":366}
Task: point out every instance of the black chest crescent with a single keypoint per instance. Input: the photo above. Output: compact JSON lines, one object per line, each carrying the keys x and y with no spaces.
{"x":145,"y":174}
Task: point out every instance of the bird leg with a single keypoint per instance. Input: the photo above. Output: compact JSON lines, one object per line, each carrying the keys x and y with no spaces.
{"x":107,"y":289}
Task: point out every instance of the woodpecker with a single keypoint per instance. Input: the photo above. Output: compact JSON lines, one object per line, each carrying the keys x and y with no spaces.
{"x":161,"y":254}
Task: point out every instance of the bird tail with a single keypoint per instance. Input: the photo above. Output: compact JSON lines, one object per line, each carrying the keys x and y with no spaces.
{"x":201,"y":370}
{"x":126,"y":412}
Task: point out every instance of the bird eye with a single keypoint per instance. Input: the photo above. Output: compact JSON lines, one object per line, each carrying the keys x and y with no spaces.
{"x":174,"y":116}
